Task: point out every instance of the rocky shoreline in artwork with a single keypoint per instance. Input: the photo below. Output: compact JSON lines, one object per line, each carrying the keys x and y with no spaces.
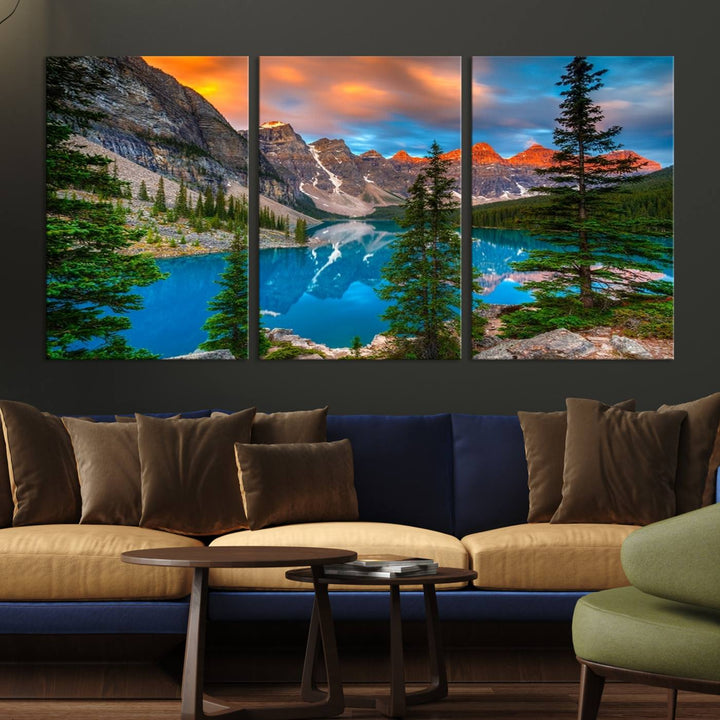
{"x":600,"y":343}
{"x":282,"y":338}
{"x":597,"y":343}
{"x":171,"y":245}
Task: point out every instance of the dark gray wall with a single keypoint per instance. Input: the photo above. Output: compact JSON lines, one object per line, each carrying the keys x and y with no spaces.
{"x":394,"y":27}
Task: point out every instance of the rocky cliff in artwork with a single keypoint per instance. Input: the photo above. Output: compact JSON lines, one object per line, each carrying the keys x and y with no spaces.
{"x":148,"y":117}
{"x":328,"y":174}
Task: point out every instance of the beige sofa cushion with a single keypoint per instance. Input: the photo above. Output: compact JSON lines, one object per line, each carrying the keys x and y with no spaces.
{"x":365,"y":538}
{"x":544,"y":556}
{"x":82,"y":562}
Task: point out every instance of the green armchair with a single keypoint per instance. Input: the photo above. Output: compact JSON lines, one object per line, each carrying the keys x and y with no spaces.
{"x":664,"y":629}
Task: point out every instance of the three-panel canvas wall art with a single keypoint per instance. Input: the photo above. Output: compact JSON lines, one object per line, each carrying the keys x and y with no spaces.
{"x":360,"y":240}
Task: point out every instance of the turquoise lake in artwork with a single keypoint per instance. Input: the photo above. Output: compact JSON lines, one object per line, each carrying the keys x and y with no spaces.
{"x":324,"y":291}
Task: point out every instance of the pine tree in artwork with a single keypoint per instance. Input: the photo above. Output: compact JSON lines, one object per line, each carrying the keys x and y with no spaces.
{"x":209,"y":203}
{"x":227,"y":328}
{"x":220,"y":204}
{"x":301,"y":231}
{"x":422,"y":277}
{"x":182,"y":209}
{"x":90,"y":276}
{"x":143,"y":192}
{"x":264,"y":343}
{"x":116,"y":176}
{"x":160,"y":203}
{"x":597,"y":256}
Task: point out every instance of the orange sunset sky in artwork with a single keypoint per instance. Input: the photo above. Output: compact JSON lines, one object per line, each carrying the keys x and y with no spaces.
{"x":380,"y":103}
{"x":221,"y":80}
{"x":374,"y":103}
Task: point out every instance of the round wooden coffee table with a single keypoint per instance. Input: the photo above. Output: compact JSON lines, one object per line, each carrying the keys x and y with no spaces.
{"x":193,"y":705}
{"x":395,"y":704}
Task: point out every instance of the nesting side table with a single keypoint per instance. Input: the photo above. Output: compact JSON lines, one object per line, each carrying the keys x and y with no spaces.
{"x":395,"y":704}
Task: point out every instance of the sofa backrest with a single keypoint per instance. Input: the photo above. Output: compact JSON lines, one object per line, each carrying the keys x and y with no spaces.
{"x":490,"y":479}
{"x":403,"y":467}
{"x":188,"y":414}
{"x":457,"y":474}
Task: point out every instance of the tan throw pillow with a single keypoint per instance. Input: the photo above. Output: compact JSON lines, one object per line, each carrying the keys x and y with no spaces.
{"x":544,"y":435}
{"x":41,"y":466}
{"x":619,"y":465}
{"x":296,"y":426}
{"x":297,"y":483}
{"x":188,"y":474}
{"x":697,"y":438}
{"x":108,"y":465}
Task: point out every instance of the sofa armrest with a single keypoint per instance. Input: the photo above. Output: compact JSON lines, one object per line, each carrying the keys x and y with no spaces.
{"x":677,"y":558}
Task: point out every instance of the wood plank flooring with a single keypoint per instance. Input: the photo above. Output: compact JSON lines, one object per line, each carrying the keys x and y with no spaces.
{"x":476,"y":701}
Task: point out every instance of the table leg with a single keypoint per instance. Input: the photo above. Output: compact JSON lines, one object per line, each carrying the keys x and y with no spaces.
{"x":195,"y":707}
{"x":309,"y":687}
{"x":438,"y":687}
{"x":396,"y":704}
{"x":335,"y":703}
{"x":193,"y":669}
{"x":322,"y":643}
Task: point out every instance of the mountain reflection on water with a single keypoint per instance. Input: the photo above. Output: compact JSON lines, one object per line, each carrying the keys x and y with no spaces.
{"x":325,"y":291}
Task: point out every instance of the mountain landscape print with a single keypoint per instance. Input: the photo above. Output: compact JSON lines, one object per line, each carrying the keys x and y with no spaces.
{"x":147,"y":207}
{"x":362,"y":154}
{"x":359,"y":200}
{"x":572,"y":193}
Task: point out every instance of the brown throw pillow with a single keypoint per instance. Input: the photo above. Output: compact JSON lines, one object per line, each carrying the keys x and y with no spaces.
{"x":41,"y":466}
{"x":297,"y":426}
{"x":619,"y":466}
{"x":697,"y":438}
{"x":131,"y":418}
{"x":297,"y":483}
{"x":544,"y":435}
{"x":108,"y":465}
{"x":710,"y":492}
{"x":188,"y":474}
{"x":6,"y":501}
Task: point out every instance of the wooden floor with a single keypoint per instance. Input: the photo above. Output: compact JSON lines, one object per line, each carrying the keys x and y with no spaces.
{"x":476,"y":701}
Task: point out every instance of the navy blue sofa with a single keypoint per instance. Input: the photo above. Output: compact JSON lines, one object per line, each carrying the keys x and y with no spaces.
{"x":453,"y":473}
